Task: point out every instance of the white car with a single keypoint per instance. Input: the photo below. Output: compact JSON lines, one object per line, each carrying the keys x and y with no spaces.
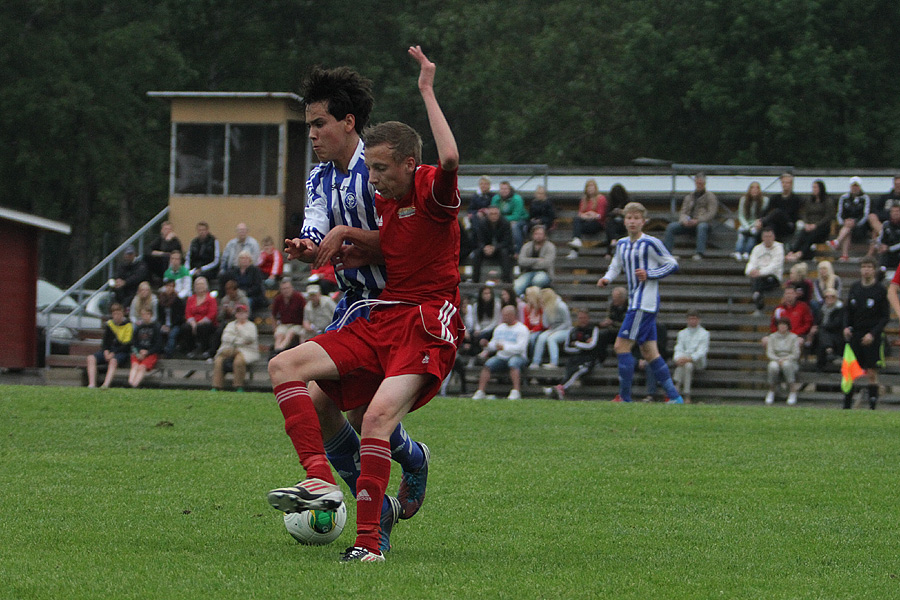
{"x":47,"y":293}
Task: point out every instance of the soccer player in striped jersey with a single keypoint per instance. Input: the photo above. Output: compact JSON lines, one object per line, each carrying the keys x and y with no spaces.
{"x":340,"y":209}
{"x":644,"y":260}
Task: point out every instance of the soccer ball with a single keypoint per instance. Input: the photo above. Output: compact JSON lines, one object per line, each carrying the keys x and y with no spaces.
{"x":316,"y":527}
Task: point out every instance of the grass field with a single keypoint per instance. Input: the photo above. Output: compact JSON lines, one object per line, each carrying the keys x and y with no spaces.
{"x":161,"y":494}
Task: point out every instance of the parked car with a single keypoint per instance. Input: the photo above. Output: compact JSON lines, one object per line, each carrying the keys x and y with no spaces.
{"x":61,"y":337}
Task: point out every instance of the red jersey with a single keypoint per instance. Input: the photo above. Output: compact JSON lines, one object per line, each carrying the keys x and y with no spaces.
{"x":420,"y":239}
{"x":799,"y":315}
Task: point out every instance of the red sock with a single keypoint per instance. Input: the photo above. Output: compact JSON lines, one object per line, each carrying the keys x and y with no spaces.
{"x":375,"y":471}
{"x":302,"y":425}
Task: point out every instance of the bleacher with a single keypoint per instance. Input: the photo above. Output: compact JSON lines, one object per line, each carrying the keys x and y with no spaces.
{"x":715,"y":286}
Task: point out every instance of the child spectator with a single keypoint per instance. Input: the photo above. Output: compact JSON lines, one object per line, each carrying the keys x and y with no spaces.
{"x":178,"y":273}
{"x":145,"y":298}
{"x":581,"y":351}
{"x":170,"y":316}
{"x":145,"y":350}
{"x":115,"y":347}
{"x":271,"y":262}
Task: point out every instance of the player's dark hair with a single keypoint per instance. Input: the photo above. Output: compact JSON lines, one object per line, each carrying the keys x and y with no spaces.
{"x":402,"y":139}
{"x":343,"y":90}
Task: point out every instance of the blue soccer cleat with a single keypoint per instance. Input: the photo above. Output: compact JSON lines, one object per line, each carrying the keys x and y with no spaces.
{"x":389,"y":518}
{"x":412,"y":487}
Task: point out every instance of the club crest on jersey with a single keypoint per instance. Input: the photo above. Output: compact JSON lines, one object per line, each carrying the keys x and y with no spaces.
{"x":350,"y":200}
{"x":406,"y":211}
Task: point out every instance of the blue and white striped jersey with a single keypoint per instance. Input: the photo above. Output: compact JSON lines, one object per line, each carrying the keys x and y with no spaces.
{"x":646,"y":253}
{"x":333,"y":198}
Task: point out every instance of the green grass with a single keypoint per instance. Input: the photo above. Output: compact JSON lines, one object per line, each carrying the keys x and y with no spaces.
{"x":161,"y":494}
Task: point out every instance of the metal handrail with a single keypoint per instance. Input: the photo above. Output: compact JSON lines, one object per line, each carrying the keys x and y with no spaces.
{"x":79,"y":285}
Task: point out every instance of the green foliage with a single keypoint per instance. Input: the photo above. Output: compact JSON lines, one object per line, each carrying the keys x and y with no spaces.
{"x":808,"y":83}
{"x":161,"y":494}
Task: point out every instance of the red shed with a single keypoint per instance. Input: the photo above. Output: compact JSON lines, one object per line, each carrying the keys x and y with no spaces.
{"x":19,"y":234}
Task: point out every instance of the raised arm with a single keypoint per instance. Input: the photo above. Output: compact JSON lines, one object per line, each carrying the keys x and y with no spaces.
{"x":448,"y":153}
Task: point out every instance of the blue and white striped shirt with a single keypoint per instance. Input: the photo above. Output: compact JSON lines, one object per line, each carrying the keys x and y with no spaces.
{"x":333,"y":198}
{"x":646,"y":253}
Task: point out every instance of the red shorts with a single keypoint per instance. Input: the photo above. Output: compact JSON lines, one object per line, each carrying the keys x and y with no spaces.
{"x":396,"y":340}
{"x":149,"y":361}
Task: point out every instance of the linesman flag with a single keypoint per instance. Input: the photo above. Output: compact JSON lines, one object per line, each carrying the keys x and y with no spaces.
{"x":850,"y":369}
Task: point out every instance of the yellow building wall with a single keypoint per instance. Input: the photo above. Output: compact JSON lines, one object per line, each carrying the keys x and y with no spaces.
{"x":263,"y":215}
{"x":233,"y":110}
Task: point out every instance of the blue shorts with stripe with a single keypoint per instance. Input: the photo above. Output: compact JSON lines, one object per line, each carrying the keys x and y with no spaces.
{"x":344,"y":305}
{"x":639,"y":326}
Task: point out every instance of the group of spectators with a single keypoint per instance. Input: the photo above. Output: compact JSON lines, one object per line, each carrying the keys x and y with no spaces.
{"x":510,"y":334}
{"x":185,"y":316}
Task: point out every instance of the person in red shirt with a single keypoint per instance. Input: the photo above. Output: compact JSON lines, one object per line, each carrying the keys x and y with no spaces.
{"x":271,"y":262}
{"x":200,"y":320}
{"x":395,"y":361}
{"x":287,"y":310}
{"x":796,"y":311}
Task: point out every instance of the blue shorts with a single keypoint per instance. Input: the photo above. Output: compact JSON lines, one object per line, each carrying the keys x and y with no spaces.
{"x":498,"y":364}
{"x":344,"y":305}
{"x":639,"y":326}
{"x":122,"y":358}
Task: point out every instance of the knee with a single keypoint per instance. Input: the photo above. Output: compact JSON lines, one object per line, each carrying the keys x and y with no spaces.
{"x":376,"y":422}
{"x":279,"y":367}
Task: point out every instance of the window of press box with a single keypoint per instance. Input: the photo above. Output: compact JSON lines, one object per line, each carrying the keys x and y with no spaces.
{"x":250,"y":166}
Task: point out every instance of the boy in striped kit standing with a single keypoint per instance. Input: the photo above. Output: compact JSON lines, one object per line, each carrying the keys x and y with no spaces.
{"x":644,"y":260}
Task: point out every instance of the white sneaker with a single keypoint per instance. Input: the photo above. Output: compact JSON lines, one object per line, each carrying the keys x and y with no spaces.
{"x":478,"y":395}
{"x":770,"y":398}
{"x":792,"y":399}
{"x":746,"y":256}
{"x":573,"y":254}
{"x":514,"y":395}
{"x":736,"y":255}
{"x":576,"y":243}
{"x":548,"y":391}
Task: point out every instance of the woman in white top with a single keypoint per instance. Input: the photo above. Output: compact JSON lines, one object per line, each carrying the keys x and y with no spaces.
{"x":557,"y":323}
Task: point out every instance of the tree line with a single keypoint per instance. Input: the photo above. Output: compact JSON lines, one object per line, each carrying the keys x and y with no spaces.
{"x":812,"y":83}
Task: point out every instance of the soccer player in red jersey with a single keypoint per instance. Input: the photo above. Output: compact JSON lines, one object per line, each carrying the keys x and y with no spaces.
{"x":408,"y":345}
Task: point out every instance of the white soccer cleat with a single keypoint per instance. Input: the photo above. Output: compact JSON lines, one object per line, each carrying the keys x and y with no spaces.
{"x":358,"y":554}
{"x":309,"y":494}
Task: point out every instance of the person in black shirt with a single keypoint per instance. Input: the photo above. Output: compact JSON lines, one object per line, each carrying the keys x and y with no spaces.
{"x":581,"y":351}
{"x":782,"y":212}
{"x":494,"y":241}
{"x":868,"y":313}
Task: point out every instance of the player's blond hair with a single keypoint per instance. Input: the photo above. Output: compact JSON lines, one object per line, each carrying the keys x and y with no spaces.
{"x":635,"y":207}
{"x":402,"y":139}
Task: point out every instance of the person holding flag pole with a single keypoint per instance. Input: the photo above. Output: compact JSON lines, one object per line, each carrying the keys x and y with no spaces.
{"x":868,"y":313}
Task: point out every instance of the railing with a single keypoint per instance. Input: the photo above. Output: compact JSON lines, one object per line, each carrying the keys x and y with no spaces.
{"x":136,"y":239}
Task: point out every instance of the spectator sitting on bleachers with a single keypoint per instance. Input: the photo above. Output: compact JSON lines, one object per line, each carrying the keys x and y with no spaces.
{"x":147,"y":343}
{"x":783,"y":211}
{"x":271,"y":263}
{"x":200,"y":320}
{"x":508,"y":298}
{"x":203,"y":257}
{"x":487,"y":315}
{"x":131,"y":272}
{"x":889,"y":241}
{"x":814,"y":226}
{"x":610,"y":325}
{"x":591,"y":217}
{"x":797,"y":279}
{"x":825,"y":278}
{"x":179,"y":274}
{"x":797,"y":312}
{"x":783,"y":352}
{"x":615,"y":218}
{"x":493,"y":242}
{"x":115,"y":347}
{"x":228,"y":302}
{"x":884,"y":204}
{"x":698,"y":209}
{"x":750,"y":208}
{"x":536,"y":261}
{"x":481,"y":199}
{"x":317,"y":314}
{"x":541,"y":211}
{"x":240,"y":345}
{"x":557,"y":322}
{"x":165,"y":243}
{"x":765,"y":268}
{"x":532,"y":315}
{"x":242,"y":242}
{"x":691,"y":349}
{"x":512,"y":207}
{"x":287,"y":310}
{"x":145,"y":298}
{"x":170,"y":316}
{"x":508,"y":345}
{"x":828,"y":332}
{"x":250,"y":279}
{"x":852,"y":217}
{"x":581,"y":352}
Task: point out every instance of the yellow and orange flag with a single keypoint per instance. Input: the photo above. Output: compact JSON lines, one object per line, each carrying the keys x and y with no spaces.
{"x":850,"y":369}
